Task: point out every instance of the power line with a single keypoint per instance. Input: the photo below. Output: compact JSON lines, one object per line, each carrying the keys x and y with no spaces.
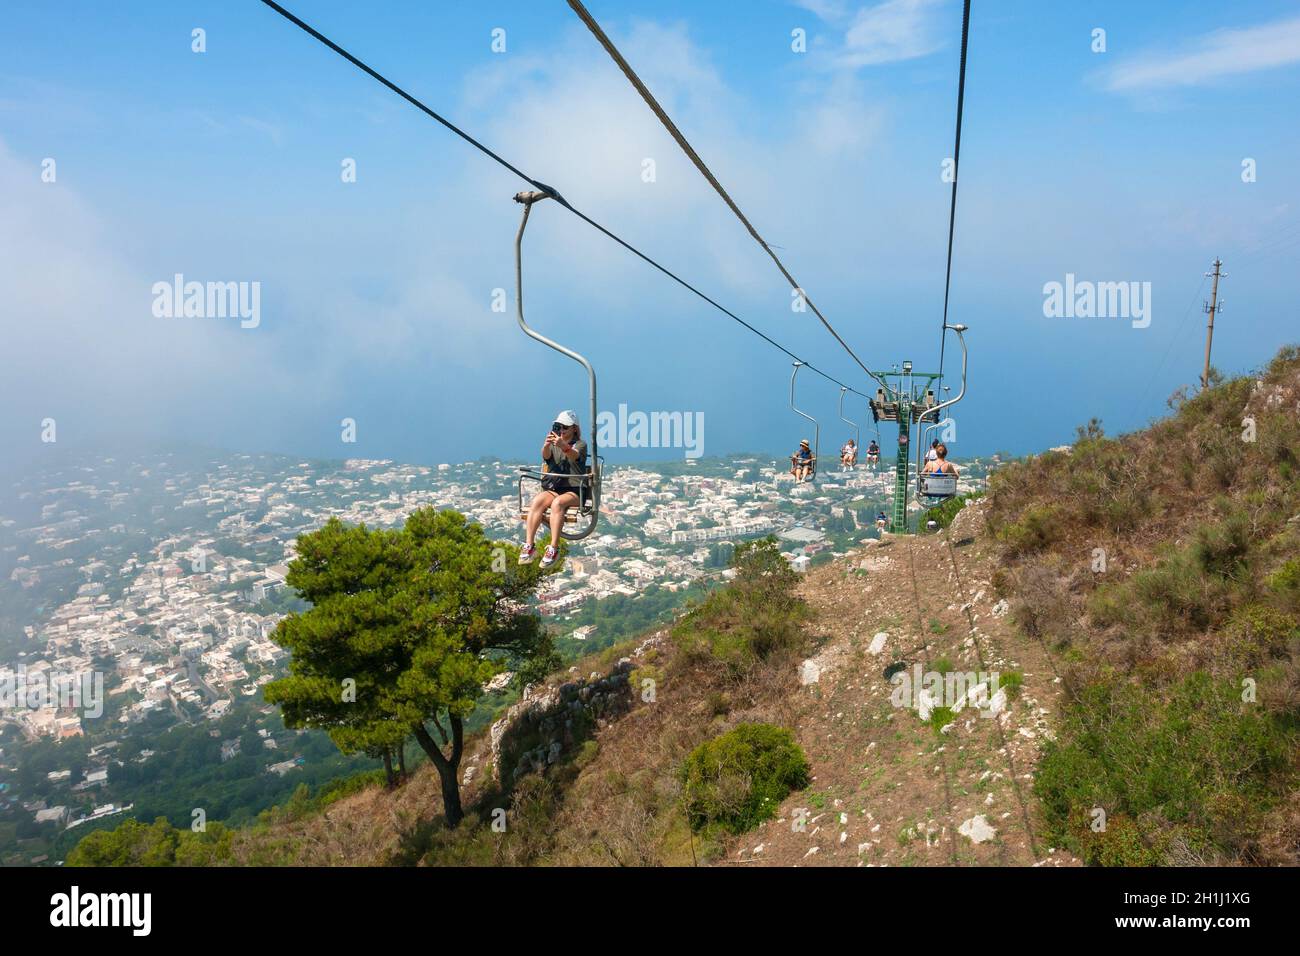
{"x":317,"y":35}
{"x":1177,"y":337}
{"x":694,"y":157}
{"x":956,"y":169}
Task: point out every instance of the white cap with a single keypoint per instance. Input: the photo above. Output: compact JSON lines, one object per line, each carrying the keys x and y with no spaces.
{"x":566,"y":418}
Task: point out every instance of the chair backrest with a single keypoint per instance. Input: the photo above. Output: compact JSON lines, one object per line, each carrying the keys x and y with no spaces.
{"x":936,"y":485}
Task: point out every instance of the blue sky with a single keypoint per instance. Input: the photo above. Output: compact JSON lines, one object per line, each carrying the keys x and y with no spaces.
{"x":1123,"y":165}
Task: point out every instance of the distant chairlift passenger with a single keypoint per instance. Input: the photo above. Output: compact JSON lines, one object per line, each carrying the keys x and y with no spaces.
{"x":849,"y":455}
{"x":803,"y":463}
{"x":939,"y":464}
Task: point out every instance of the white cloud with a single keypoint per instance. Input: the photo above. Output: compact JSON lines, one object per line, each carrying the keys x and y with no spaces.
{"x":828,"y":10}
{"x":887,"y":32}
{"x":1216,"y":55}
{"x":593,"y":150}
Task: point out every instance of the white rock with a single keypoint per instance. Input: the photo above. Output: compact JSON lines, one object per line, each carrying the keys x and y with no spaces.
{"x":998,"y":703}
{"x":809,"y":672}
{"x":977,"y":829}
{"x":877,"y":643}
{"x":925,"y":704}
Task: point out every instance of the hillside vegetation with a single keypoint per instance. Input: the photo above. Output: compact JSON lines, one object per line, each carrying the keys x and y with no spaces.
{"x":1162,"y":569}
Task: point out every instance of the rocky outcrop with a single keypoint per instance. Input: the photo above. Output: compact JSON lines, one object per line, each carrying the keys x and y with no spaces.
{"x":552,"y":720}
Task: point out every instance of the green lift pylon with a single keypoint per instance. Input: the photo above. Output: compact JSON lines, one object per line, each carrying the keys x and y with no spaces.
{"x":908,"y":397}
{"x":903,"y":397}
{"x":898,"y":520}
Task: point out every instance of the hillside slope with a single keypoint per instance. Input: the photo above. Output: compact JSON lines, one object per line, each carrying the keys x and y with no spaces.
{"x":887,"y":788}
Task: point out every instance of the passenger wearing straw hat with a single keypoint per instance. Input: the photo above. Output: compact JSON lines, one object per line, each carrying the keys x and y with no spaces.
{"x":801,"y":462}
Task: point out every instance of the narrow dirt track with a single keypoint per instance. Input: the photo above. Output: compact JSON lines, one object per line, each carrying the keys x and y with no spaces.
{"x":888,"y":789}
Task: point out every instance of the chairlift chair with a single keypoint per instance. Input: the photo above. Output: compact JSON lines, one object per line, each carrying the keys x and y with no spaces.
{"x":938,"y":487}
{"x":583,"y":518}
{"x":857,"y":432}
{"x":883,"y":409}
{"x":817,"y":429}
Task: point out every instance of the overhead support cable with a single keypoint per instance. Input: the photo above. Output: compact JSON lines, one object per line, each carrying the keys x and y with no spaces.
{"x":553,"y":193}
{"x":694,"y":157}
{"x":956,"y":168}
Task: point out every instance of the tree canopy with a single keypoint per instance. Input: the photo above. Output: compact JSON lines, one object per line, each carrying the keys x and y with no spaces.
{"x":405,"y":628}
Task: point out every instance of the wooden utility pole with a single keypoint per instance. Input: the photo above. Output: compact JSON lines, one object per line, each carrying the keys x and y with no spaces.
{"x":1211,"y":307}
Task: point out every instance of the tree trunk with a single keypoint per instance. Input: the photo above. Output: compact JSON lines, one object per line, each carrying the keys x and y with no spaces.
{"x":401,"y":761}
{"x":388,"y":769}
{"x":446,"y":766}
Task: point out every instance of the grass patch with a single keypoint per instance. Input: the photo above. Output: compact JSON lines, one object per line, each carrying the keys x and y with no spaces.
{"x":940,"y":718}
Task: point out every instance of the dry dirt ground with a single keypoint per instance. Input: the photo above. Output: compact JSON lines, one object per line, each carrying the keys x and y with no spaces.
{"x":888,"y":789}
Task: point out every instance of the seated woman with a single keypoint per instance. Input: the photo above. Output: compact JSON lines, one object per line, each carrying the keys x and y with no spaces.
{"x":563,"y":453}
{"x":801,"y":462}
{"x":849,"y":455}
{"x":939,"y":464}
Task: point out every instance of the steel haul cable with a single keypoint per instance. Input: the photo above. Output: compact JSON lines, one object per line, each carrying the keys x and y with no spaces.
{"x":956,"y":164}
{"x":317,"y":35}
{"x":694,"y":157}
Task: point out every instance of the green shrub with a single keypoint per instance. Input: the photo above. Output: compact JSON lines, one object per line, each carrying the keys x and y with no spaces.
{"x":1037,"y":528}
{"x":737,"y":780}
{"x":1120,"y":844}
{"x":1284,"y":583}
{"x":1177,"y":593}
{"x":943,"y":514}
{"x":1222,"y":549}
{"x":133,"y":843}
{"x":1257,"y":632}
